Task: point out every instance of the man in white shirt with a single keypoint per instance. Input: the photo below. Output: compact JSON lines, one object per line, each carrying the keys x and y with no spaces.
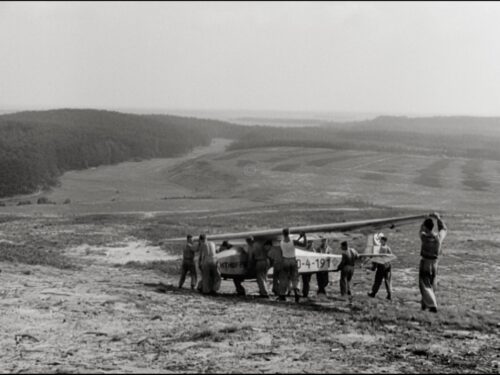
{"x":322,"y":277}
{"x":383,"y":271}
{"x":290,"y":271}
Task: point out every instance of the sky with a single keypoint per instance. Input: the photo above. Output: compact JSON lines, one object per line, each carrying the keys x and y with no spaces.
{"x":389,"y":58}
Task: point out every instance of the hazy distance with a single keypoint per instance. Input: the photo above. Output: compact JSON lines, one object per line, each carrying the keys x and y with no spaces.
{"x":360,"y":59}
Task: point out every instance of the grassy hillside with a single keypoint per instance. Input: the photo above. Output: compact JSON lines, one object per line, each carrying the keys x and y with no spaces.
{"x":37,"y":147}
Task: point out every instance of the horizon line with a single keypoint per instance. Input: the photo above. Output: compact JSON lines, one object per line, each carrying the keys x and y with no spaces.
{"x":166,"y":111}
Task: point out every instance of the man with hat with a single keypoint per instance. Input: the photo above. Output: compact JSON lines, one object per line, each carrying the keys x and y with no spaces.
{"x":383,"y":271}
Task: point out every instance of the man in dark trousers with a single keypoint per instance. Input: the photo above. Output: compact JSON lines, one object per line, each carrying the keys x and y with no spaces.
{"x":306,"y":277}
{"x":322,"y":277}
{"x":290,"y":271}
{"x":383,"y":271}
{"x":430,"y":252}
{"x":188,"y":264}
{"x":257,"y":259}
{"x":346,"y":268}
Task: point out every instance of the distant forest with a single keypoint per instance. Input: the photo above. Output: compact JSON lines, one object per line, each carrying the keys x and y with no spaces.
{"x":37,"y":147}
{"x":466,"y":137}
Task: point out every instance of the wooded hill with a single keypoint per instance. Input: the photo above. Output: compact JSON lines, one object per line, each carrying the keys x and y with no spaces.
{"x":37,"y":147}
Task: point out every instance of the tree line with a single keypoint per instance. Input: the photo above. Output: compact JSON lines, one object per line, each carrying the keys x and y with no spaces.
{"x":37,"y":147}
{"x":379,"y":138}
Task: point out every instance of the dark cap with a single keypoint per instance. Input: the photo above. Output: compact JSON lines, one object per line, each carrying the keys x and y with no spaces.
{"x":249,"y":239}
{"x":286,"y":231}
{"x":428,"y":223}
{"x":344,"y":244}
{"x":189,"y":236}
{"x":203,"y":236}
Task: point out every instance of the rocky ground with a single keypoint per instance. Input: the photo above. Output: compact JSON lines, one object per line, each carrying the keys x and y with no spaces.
{"x":97,"y":294}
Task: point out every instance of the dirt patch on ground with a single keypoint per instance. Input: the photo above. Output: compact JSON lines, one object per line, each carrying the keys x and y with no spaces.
{"x":122,"y":253}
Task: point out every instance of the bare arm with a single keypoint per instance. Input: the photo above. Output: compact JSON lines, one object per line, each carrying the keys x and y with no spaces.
{"x":355,"y":253}
{"x":300,"y":243}
{"x":442,"y":229}
{"x":342,"y":263}
{"x":422,"y":231}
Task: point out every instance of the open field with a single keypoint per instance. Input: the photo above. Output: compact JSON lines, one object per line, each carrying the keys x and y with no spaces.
{"x":90,"y":286}
{"x":211,"y":179}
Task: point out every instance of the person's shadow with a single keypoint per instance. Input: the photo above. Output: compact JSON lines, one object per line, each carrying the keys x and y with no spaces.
{"x":305,"y":304}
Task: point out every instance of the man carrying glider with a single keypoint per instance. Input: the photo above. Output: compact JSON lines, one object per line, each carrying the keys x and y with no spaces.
{"x":346,"y":268}
{"x":276,"y":261}
{"x":430,"y":252}
{"x":257,"y":259}
{"x":237,"y":281}
{"x":383,"y":271}
{"x":306,"y":277}
{"x":188,"y":264}
{"x":290,"y":271}
{"x":322,"y":278}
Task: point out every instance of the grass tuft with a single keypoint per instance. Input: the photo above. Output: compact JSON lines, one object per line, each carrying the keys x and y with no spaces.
{"x":36,"y":256}
{"x":167,"y":267}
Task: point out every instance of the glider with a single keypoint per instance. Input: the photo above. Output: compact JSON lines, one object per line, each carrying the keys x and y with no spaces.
{"x":234,"y":262}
